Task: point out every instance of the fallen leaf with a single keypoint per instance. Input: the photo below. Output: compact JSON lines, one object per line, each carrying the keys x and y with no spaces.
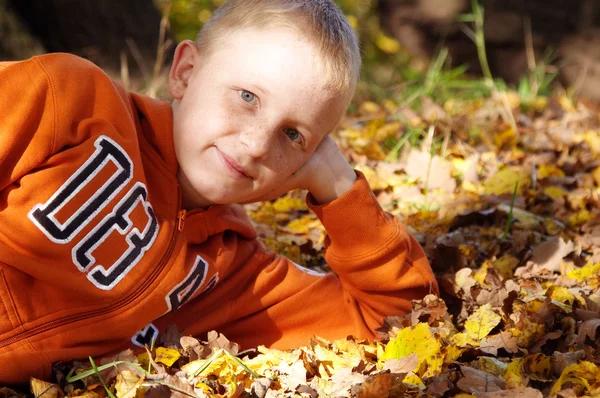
{"x":504,"y":181}
{"x":549,"y":254}
{"x":476,"y":381}
{"x":43,"y":389}
{"x":527,"y":392}
{"x":419,"y":340}
{"x":167,"y":356}
{"x":127,"y":384}
{"x":403,"y":365}
{"x":481,"y":322}
{"x":433,"y":172}
{"x":588,"y":329}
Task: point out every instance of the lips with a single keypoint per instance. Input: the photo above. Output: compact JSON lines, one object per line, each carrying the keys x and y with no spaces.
{"x":233,"y":167}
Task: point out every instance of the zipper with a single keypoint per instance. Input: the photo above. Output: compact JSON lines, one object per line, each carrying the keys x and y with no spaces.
{"x":179,"y":222}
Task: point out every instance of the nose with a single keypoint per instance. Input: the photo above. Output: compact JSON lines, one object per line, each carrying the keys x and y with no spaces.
{"x":257,"y":140}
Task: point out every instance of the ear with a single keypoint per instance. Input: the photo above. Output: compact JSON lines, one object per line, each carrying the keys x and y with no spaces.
{"x":184,"y":61}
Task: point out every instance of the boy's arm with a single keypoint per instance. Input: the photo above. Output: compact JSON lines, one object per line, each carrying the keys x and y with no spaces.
{"x":378,"y":270}
{"x":44,"y":103}
{"x":27,"y":119}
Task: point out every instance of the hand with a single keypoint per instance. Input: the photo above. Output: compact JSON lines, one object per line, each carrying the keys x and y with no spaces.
{"x":327,"y":175}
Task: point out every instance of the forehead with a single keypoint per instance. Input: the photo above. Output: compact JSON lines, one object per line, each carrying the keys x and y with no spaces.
{"x":276,"y":53}
{"x":283,"y":66}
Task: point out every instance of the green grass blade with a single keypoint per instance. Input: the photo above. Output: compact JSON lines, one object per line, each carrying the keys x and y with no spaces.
{"x":103,"y":367}
{"x":510,"y":212}
{"x":110,"y":394}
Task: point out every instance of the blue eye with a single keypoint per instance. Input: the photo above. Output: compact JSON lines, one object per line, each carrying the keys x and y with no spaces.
{"x":247,"y":96}
{"x":293,"y":135}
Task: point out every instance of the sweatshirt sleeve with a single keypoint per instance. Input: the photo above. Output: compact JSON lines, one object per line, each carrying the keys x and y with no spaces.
{"x":43,"y":102}
{"x":378,"y":269}
{"x":28,"y":119}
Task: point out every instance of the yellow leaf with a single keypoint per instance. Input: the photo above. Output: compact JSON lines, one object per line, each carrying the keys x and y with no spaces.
{"x":504,"y":181}
{"x":452,"y":353}
{"x":43,"y":389}
{"x":596,"y":175}
{"x":538,"y":367}
{"x":370,"y":108}
{"x":584,"y":374}
{"x":505,"y":138}
{"x":561,"y":294}
{"x":481,"y":322}
{"x":505,"y":265}
{"x":464,"y":340}
{"x":143,"y":360}
{"x":413,"y":381}
{"x":550,"y":170}
{"x":127,"y":384}
{"x":481,"y":273}
{"x":514,"y":374}
{"x":492,"y":366}
{"x":580,"y":218}
{"x":387,"y":44}
{"x":586,"y":272}
{"x":530,"y":334}
{"x":539,"y":103}
{"x":555,"y":192}
{"x":269,"y":358}
{"x":303,"y":224}
{"x":419,"y":340}
{"x":566,"y":103}
{"x":286,"y":203}
{"x":353,"y":21}
{"x":168,"y":356}
{"x":593,"y":140}
{"x":204,"y":15}
{"x":513,"y":98}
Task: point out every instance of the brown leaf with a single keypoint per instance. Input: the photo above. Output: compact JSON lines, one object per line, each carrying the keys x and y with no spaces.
{"x":494,"y":297}
{"x":560,"y":360}
{"x":476,"y":381}
{"x":588,"y":329}
{"x":504,"y":340}
{"x":439,"y":386}
{"x":482,"y":218}
{"x":377,"y":386}
{"x":549,"y":254}
{"x":159,"y":391}
{"x":113,"y":371}
{"x":343,"y":380}
{"x":404,"y":365}
{"x":260,"y":387}
{"x":43,"y":389}
{"x":217,"y":340}
{"x":516,"y":393}
{"x":170,"y":337}
{"x":434,"y":173}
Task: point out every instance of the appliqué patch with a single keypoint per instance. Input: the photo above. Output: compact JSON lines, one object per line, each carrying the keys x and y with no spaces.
{"x":43,"y":215}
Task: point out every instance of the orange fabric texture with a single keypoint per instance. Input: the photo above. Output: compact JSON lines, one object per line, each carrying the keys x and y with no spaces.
{"x":96,"y":255}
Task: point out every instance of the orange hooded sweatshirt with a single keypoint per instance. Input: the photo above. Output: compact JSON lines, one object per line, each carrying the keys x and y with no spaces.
{"x":96,"y":253}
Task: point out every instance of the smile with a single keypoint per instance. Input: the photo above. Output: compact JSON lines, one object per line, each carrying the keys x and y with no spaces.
{"x":234,"y":169}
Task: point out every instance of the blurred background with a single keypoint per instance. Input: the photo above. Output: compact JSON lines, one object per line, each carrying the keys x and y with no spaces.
{"x":439,"y":48}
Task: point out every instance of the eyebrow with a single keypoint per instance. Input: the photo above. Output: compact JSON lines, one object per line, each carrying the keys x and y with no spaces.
{"x":260,"y":89}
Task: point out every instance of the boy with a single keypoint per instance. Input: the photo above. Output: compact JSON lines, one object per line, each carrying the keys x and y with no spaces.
{"x":118,"y":213}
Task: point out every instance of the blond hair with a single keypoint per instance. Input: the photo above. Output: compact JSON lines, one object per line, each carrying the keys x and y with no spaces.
{"x":319,"y":20}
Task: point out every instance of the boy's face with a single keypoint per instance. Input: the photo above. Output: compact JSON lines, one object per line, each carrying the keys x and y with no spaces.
{"x":249,"y":115}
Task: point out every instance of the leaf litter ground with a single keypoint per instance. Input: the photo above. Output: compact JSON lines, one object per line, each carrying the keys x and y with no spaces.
{"x":510,"y":221}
